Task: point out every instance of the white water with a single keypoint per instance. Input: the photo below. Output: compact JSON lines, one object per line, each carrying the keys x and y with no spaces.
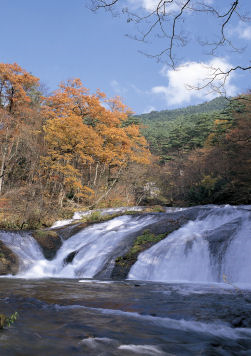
{"x":237,"y":261}
{"x":25,"y":247}
{"x":96,"y":246}
{"x":185,"y":254}
{"x":81,"y":214}
{"x":217,"y":243}
{"x":218,"y":329}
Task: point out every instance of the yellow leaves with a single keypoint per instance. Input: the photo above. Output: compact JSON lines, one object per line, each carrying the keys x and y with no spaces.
{"x":74,"y":184}
{"x":15,"y":84}
{"x":209,"y":182}
{"x":80,"y":130}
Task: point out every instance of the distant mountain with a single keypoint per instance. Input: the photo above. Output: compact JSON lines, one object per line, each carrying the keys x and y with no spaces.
{"x":217,"y":104}
{"x":169,"y":132}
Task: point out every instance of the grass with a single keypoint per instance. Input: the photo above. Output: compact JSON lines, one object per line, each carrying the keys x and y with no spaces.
{"x":97,"y":217}
{"x":45,"y":233}
{"x":7,"y":321}
{"x":142,"y":242}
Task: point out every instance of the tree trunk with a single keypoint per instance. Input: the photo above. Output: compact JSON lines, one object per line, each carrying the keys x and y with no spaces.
{"x":2,"y":171}
{"x":96,"y":174}
{"x":61,"y":198}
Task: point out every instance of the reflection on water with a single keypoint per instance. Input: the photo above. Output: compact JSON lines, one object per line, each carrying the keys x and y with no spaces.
{"x":88,"y":317}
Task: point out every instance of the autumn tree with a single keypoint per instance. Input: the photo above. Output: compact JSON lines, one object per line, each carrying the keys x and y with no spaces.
{"x":86,"y":140}
{"x":16,"y":116}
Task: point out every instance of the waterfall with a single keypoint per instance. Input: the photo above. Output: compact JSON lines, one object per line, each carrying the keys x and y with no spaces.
{"x":213,"y":244}
{"x":92,"y":249}
{"x":25,"y":247}
{"x":108,"y":211}
{"x":237,"y":261}
{"x":210,"y":249}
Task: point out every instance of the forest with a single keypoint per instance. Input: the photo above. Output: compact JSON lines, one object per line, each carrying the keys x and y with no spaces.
{"x":72,"y":148}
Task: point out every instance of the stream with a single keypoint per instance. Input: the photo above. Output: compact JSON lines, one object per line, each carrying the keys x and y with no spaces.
{"x":189,"y":294}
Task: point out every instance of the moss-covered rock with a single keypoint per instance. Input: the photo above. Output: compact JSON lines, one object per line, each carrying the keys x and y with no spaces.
{"x":49,"y":241}
{"x":147,"y":238}
{"x":8,"y":261}
{"x":141,"y":243}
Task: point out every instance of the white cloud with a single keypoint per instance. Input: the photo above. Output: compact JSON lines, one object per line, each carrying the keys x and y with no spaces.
{"x":117,"y":88}
{"x":149,"y":109}
{"x":208,"y":2}
{"x":138,"y":90}
{"x":183,"y":81}
{"x":150,"y":5}
{"x":243,"y":31}
{"x":246,"y":34}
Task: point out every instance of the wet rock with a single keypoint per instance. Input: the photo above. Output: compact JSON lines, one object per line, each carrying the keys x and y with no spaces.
{"x":49,"y":241}
{"x":2,"y":321}
{"x":166,"y":224}
{"x":70,"y":257}
{"x":241,"y":321}
{"x":219,"y":240}
{"x":65,"y":232}
{"x":237,"y":322}
{"x":8,"y":261}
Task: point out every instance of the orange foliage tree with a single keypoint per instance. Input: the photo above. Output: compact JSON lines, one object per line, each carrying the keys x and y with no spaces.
{"x":16,"y":88}
{"x":87,"y":137}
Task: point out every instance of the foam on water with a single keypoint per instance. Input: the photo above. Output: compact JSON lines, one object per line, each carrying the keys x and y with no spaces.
{"x":216,"y":244}
{"x":143,"y":349}
{"x":78,"y":215}
{"x":185,"y":254}
{"x":217,"y":329}
{"x":25,"y":247}
{"x":98,"y":344}
{"x":94,"y":247}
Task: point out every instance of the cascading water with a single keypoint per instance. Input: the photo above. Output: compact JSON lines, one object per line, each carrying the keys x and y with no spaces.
{"x":215,"y":242}
{"x":61,"y":316}
{"x":210,"y":249}
{"x":80,"y":214}
{"x":25,"y":247}
{"x":92,"y":249}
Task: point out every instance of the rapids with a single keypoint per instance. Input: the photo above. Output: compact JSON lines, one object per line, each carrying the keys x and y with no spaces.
{"x":70,"y":306}
{"x":123,"y":318}
{"x":94,"y":249}
{"x":212,"y":245}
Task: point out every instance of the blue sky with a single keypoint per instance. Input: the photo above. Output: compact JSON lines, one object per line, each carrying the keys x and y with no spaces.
{"x":61,"y":39}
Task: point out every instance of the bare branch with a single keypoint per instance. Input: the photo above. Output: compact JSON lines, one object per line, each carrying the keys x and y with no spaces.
{"x":165,"y":21}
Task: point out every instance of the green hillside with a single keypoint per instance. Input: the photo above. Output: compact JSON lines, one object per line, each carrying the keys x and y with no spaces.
{"x":216,"y":104}
{"x":170,"y":132}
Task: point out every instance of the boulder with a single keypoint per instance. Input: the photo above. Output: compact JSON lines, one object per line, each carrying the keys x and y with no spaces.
{"x":49,"y":241}
{"x":165,"y":225}
{"x":9,"y":263}
{"x":65,"y":232}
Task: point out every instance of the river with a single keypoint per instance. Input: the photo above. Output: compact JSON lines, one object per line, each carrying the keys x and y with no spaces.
{"x":190,"y":294}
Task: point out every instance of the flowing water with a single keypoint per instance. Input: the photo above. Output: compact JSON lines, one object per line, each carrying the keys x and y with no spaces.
{"x":174,"y":302}
{"x":215,"y":245}
{"x":89,"y":317}
{"x":94,"y":247}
